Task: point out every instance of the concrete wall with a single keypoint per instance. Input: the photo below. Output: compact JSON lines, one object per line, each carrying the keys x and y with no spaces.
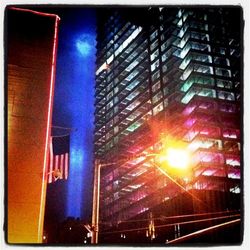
{"x":30,"y":49}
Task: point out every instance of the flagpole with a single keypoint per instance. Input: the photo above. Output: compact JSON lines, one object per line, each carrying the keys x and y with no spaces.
{"x":65,"y":128}
{"x":56,"y":136}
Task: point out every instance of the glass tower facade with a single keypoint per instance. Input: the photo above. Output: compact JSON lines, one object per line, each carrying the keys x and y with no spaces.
{"x":166,"y":75}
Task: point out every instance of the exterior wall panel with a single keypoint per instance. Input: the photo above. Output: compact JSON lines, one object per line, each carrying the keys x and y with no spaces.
{"x":31,"y":44}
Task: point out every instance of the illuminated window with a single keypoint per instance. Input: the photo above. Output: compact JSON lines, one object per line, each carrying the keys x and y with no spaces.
{"x":181,"y":53}
{"x":133,"y":105}
{"x":156,"y":86}
{"x":109,"y":135}
{"x":154,"y":55}
{"x":165,"y":102}
{"x":233,"y":161}
{"x":179,"y":14}
{"x":210,"y":157}
{"x":116,"y":129}
{"x":198,"y":91}
{"x":109,"y":87}
{"x":202,"y":58}
{"x":191,"y":134}
{"x":154,"y":45}
{"x":116,"y":99}
{"x":157,"y":97}
{"x":154,"y":35}
{"x":235,"y":190}
{"x":185,"y":62}
{"x":185,"y":15}
{"x":131,"y":117}
{"x":157,"y":109}
{"x":232,"y":146}
{"x":221,"y":61}
{"x":132,"y":95}
{"x":116,"y":109}
{"x":131,"y":56}
{"x":182,"y":31}
{"x":165,"y":44}
{"x":132,"y":75}
{"x":134,"y":126}
{"x":132,"y":85}
{"x":164,"y":68}
{"x":109,"y":95}
{"x":186,"y":73}
{"x":224,"y":95}
{"x":110,"y":124}
{"x":165,"y":79}
{"x":224,"y":84}
{"x":205,"y":143}
{"x":132,"y":65}
{"x":116,"y":90}
{"x":207,"y":105}
{"x":165,"y":91}
{"x":225,"y":107}
{"x":201,"y":46}
{"x":167,"y":54}
{"x":156,"y":75}
{"x":190,"y":122}
{"x":155,"y":65}
{"x":179,"y":24}
{"x":189,"y":109}
{"x":221,"y":50}
{"x":203,"y":69}
{"x":187,"y":84}
{"x":188,"y":97}
{"x":222,"y":72}
{"x":231,"y":133}
{"x":110,"y":104}
{"x":181,"y":42}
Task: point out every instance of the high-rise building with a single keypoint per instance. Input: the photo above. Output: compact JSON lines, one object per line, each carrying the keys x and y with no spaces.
{"x":167,"y":77}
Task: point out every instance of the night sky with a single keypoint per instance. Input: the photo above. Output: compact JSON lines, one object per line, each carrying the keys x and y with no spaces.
{"x":74,"y":108}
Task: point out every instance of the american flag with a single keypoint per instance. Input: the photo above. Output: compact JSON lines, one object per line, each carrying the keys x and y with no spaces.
{"x":58,"y":166}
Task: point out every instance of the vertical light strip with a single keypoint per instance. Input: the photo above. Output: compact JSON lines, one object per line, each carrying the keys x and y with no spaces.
{"x":56,"y":162}
{"x":66,"y":165}
{"x":48,"y":129}
{"x":61,"y":165}
{"x":51,"y":160}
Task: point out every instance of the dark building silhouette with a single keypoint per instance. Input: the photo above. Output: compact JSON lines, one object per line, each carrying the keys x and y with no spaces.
{"x":71,"y":231}
{"x":166,"y":76}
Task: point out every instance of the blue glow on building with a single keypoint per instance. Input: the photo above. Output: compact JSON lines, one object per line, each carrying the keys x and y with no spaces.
{"x":83,"y":44}
{"x":74,"y":104}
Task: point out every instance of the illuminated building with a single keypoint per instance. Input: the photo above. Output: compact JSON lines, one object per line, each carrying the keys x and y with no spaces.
{"x":167,"y":74}
{"x":31,"y":42}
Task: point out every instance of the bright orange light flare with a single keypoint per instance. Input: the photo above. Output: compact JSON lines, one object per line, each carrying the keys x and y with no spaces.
{"x":175,"y":160}
{"x":178,"y":158}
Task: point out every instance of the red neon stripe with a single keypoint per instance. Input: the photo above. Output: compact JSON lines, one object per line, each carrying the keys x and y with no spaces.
{"x":50,"y":161}
{"x":35,"y":12}
{"x":66,"y":165}
{"x":56,"y":162}
{"x":49,"y":118}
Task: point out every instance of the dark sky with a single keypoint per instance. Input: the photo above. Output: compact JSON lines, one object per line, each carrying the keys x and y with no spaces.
{"x":74,"y":108}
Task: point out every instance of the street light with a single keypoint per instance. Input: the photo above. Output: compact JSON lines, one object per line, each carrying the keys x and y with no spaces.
{"x":96,"y":199}
{"x":175,"y":158}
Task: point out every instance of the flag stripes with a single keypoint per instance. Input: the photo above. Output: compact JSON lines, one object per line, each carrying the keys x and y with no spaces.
{"x":58,"y":165}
